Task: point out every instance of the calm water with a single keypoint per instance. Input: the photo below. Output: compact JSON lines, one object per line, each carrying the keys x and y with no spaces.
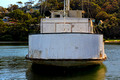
{"x":13,"y":65}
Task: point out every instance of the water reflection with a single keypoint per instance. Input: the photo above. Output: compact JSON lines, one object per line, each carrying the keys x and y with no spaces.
{"x":56,"y":73}
{"x":12,"y":68}
{"x":13,"y":64}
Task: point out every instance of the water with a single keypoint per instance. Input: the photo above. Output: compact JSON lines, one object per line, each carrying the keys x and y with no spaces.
{"x":13,"y":65}
{"x":113,"y":61}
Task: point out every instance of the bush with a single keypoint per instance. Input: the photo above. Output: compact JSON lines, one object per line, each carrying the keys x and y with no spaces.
{"x":6,"y":38}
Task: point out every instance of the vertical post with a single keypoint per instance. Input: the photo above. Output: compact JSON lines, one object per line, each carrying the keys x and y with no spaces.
{"x":68,"y":4}
{"x":64,"y":12}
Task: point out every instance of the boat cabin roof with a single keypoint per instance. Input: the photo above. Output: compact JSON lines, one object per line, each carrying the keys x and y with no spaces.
{"x":68,"y":13}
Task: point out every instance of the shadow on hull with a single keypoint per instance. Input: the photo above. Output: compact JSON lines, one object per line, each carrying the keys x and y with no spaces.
{"x":96,"y":72}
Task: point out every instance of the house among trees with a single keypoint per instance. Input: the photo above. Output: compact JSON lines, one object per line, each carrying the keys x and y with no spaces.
{"x":29,"y":8}
{"x":6,"y":19}
{"x":3,"y":10}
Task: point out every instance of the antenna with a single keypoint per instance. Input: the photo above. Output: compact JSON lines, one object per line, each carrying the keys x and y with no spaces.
{"x":64,"y":8}
{"x":88,"y":9}
{"x":82,"y":8}
{"x":82,"y":5}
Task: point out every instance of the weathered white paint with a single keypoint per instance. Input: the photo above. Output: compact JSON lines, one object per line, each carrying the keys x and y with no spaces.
{"x":66,"y":46}
{"x":75,"y":13}
{"x":63,"y":27}
{"x":56,"y":25}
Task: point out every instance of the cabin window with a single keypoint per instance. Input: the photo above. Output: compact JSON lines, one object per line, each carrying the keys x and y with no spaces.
{"x":57,"y":15}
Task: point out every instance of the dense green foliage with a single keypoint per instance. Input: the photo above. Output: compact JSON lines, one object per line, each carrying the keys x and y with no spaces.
{"x":24,"y":24}
{"x":106,"y":10}
{"x":17,"y":32}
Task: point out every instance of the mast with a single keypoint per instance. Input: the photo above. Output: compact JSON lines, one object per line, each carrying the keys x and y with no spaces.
{"x":67,"y":5}
{"x":88,"y":9}
{"x":82,"y":8}
{"x":82,"y":5}
{"x":64,"y":8}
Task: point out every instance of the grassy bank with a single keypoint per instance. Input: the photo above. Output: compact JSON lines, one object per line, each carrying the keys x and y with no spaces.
{"x":112,"y":41}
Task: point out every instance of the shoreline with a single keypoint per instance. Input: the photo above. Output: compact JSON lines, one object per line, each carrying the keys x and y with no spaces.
{"x":13,"y":42}
{"x":106,"y":41}
{"x":112,"y":41}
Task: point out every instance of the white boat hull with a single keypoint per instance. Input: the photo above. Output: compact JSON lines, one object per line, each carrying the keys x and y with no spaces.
{"x":69,"y":49}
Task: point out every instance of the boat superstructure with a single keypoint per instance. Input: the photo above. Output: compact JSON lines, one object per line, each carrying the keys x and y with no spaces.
{"x":66,"y":39}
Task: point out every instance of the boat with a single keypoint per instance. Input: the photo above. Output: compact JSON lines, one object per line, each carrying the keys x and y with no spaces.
{"x":67,"y":40}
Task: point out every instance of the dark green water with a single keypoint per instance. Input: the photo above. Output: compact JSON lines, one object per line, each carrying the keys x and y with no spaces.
{"x":13,"y":65}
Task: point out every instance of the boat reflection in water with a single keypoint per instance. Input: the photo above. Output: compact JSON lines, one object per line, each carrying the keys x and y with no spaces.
{"x":57,"y":73}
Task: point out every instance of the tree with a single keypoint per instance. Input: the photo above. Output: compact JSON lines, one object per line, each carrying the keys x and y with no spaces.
{"x":12,"y":7}
{"x":27,"y":16}
{"x":102,"y":15}
{"x":48,"y":5}
{"x":75,"y":5}
{"x":2,"y":9}
{"x":16,"y":14}
{"x":36,"y":13}
{"x":111,"y":7}
{"x":2,"y":12}
{"x":91,"y":9}
{"x":20,"y":3}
